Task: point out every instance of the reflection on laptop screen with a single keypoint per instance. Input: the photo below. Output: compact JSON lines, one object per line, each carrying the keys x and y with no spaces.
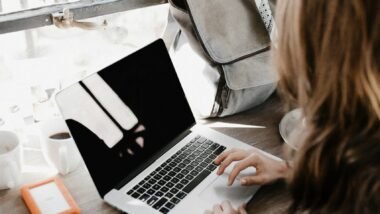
{"x":124,"y":114}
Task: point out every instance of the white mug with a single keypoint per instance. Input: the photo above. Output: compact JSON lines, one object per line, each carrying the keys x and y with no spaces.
{"x":59,"y":147}
{"x":10,"y":159}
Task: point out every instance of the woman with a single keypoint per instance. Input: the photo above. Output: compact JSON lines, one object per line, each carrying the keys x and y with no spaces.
{"x":328,"y":58}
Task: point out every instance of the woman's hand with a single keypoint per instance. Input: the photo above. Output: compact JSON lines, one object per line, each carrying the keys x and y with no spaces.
{"x":268,"y":169}
{"x":226,"y":208}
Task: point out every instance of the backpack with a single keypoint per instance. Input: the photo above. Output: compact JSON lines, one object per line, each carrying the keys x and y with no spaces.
{"x":222,"y":55}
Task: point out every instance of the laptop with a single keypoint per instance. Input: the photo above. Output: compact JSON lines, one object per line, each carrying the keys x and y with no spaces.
{"x":140,"y":142}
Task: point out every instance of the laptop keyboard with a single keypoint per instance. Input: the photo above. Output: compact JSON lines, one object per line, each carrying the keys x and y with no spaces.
{"x":169,"y":183}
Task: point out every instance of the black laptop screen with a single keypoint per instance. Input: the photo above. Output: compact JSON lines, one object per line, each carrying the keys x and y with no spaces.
{"x":124,"y":114}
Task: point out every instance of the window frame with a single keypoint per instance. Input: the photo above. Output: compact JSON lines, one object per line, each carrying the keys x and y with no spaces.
{"x":42,"y":16}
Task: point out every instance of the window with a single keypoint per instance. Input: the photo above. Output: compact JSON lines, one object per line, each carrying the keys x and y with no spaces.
{"x":38,"y":59}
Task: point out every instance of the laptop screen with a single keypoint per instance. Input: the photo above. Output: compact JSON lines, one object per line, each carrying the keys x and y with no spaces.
{"x":124,"y":114}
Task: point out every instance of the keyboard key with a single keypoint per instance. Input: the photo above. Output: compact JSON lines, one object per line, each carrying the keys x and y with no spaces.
{"x":130,"y":192}
{"x":159,"y":194}
{"x":184,"y":181}
{"x":152,"y":181}
{"x":212,"y":156}
{"x":189,"y":168}
{"x":208,"y":142}
{"x":198,"y":161}
{"x":194,"y":173}
{"x":219,"y":150}
{"x":163,"y":172}
{"x":157,"y":177}
{"x":160,"y":203}
{"x":214,"y":146}
{"x":209,"y":160}
{"x":169,"y":205}
{"x":169,"y":195}
{"x":164,"y":210}
{"x":145,"y":197}
{"x":196,"y":144}
{"x":168,"y":168}
{"x":196,"y":153}
{"x":201,"y":140}
{"x":136,"y":195}
{"x":152,"y":200}
{"x":189,"y":177}
{"x":170,"y":185}
{"x":156,"y":187}
{"x":161,"y":182}
{"x":198,"y":168}
{"x":208,"y":151}
{"x":204,"y":146}
{"x":135,"y":187}
{"x":197,"y":180}
{"x":205,"y":155}
{"x":185,"y":171}
{"x":180,"y":176}
{"x":175,"y":200}
{"x":174,"y":180}
{"x":141,"y":190}
{"x":179,"y":186}
{"x":147,"y":186}
{"x":181,"y":165}
{"x":141,"y":182}
{"x":202,"y":157}
{"x":204,"y":164}
{"x":199,"y":151}
{"x":183,"y":148}
{"x":211,"y":167}
{"x":186,"y":161}
{"x":193,"y":163}
{"x":167,"y":178}
{"x":172,"y":164}
{"x":164,"y":189}
{"x":181,"y":195}
{"x":177,"y":160}
{"x":172,"y":174}
{"x":177,"y":169}
{"x":174,"y":190}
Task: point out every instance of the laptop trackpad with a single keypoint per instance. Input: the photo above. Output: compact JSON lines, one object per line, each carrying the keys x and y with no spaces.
{"x":218,"y":191}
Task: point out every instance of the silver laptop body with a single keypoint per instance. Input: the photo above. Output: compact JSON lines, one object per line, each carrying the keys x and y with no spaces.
{"x":139,"y":140}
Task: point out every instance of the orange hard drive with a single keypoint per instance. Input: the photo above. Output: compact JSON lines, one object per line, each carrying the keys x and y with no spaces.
{"x":58,"y":193}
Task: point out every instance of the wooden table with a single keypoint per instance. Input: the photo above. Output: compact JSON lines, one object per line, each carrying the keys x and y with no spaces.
{"x":269,"y":199}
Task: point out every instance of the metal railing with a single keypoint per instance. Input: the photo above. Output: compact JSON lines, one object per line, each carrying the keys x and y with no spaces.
{"x":43,"y":16}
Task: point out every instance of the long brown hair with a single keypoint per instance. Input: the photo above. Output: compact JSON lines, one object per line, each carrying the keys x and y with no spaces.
{"x":328,"y":58}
